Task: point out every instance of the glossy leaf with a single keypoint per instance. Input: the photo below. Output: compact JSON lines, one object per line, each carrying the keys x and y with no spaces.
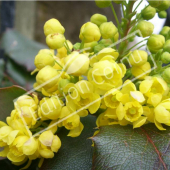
{"x":7,"y":95}
{"x":122,"y":147}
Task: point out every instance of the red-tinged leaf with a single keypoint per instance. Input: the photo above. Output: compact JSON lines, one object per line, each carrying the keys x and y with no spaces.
{"x":122,"y":147}
{"x":7,"y":95}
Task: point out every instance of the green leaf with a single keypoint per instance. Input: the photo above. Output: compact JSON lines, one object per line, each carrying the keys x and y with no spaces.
{"x":7,"y":95}
{"x":19,"y":75}
{"x":2,"y":65}
{"x":20,"y":49}
{"x":75,"y":153}
{"x":122,"y":147}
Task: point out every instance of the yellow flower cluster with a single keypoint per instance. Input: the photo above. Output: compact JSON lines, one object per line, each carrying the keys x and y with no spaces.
{"x":85,"y":78}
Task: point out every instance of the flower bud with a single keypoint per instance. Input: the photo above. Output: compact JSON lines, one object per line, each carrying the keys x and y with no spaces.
{"x":98,"y":19}
{"x":166,"y":75}
{"x":50,"y":108}
{"x":148,"y":12}
{"x":90,"y":46}
{"x":155,"y":42}
{"x":164,"y":5}
{"x":166,"y":46}
{"x":146,"y":28}
{"x":154,"y":3}
{"x":49,"y":77}
{"x":76,"y":64}
{"x":55,"y":41}
{"x":108,"y":30}
{"x":89,"y":32}
{"x":103,"y":3}
{"x":165,"y":57}
{"x":162,"y":14}
{"x":44,"y":58}
{"x":53,"y":26}
{"x":138,"y":58}
{"x":141,"y":71}
{"x":165,"y":31}
{"x":116,"y":37}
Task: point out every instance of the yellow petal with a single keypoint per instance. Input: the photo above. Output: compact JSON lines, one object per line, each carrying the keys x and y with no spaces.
{"x":27,"y":165}
{"x":159,"y":126}
{"x":141,"y":121}
{"x":46,"y":138}
{"x":155,"y":99}
{"x":12,"y":136}
{"x":15,"y":158}
{"x":56,"y":144}
{"x":82,"y":113}
{"x":120,"y":111}
{"x":128,"y":86}
{"x":76,"y":131}
{"x":2,"y":124}
{"x":30,"y":146}
{"x":46,"y":153}
{"x":137,"y":95}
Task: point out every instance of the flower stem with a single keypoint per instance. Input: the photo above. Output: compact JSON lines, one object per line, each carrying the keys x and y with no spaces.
{"x":115,"y":15}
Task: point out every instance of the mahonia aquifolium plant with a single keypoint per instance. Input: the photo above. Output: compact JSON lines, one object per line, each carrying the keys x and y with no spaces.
{"x":89,"y":77}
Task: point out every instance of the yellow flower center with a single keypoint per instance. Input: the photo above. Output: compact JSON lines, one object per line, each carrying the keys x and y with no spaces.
{"x":154,"y":90}
{"x":132,"y":111}
{"x":114,"y":99}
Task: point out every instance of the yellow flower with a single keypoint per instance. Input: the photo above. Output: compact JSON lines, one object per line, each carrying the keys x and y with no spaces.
{"x":162,"y":114}
{"x":89,"y":32}
{"x":47,"y":80}
{"x":142,"y":71}
{"x":133,"y":111}
{"x":53,"y":26}
{"x":105,"y":75}
{"x":26,"y":100}
{"x":154,"y":88}
{"x":138,"y":58}
{"x":50,"y":108}
{"x":141,"y":121}
{"x":62,"y":52}
{"x":48,"y":144}
{"x":76,"y":64}
{"x":81,"y":95}
{"x":21,"y":148}
{"x":111,"y":98}
{"x":103,"y":53}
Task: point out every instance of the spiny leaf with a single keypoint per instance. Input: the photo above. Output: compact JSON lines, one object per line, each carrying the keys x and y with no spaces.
{"x":122,"y":147}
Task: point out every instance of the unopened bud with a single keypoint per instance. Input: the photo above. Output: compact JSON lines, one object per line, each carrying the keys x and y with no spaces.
{"x":155,"y":42}
{"x":76,"y":46}
{"x":166,"y":46}
{"x":146,"y":28}
{"x":55,"y":41}
{"x":44,"y":58}
{"x":166,"y":75}
{"x":165,"y":57}
{"x":165,"y":31}
{"x":89,"y":32}
{"x":62,"y":83}
{"x":148,"y":12}
{"x":138,"y":57}
{"x":164,"y":5}
{"x":108,"y":30}
{"x":90,"y":46}
{"x":53,"y":26}
{"x":98,"y":48}
{"x":98,"y":19}
{"x":162,"y":14}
